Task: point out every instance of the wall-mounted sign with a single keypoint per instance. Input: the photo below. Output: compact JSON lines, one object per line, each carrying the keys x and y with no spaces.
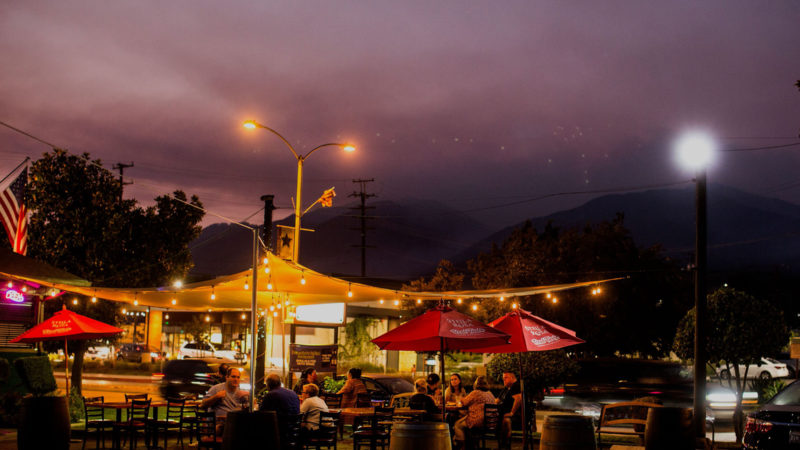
{"x":320,"y":357}
{"x":14,"y":296}
{"x":321,"y":314}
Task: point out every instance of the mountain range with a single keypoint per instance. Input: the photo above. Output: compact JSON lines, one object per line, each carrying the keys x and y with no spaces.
{"x":410,"y":237}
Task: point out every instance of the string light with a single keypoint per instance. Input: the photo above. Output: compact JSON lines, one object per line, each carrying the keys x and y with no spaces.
{"x":502,"y":299}
{"x":396,"y":302}
{"x":24,"y":288}
{"x":94,"y":297}
{"x":269,"y":284}
{"x":124,"y":311}
{"x":246,"y":284}
{"x":178,"y":284}
{"x":380,"y":301}
{"x":349,"y":291}
{"x":278,"y":305}
{"x":548,"y":295}
{"x":136,"y":303}
{"x":554,"y":300}
{"x":265,"y":260}
{"x":244,"y":316}
{"x":74,"y":301}
{"x":303,"y":279}
{"x":174,"y":302}
{"x":419,"y":300}
{"x":275,"y":314}
{"x":166,"y":316}
{"x":513,"y":306}
{"x":474,"y":307}
{"x":266,"y":270}
{"x":272,"y":307}
{"x":208,"y":319}
{"x":10,"y":285}
{"x":458,"y":301}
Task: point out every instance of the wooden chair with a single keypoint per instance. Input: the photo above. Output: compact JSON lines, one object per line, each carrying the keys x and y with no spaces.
{"x":138,"y":416}
{"x":375,"y":435}
{"x":172,"y":421}
{"x":94,"y":419}
{"x":332,"y":400}
{"x":207,"y":431}
{"x":189,"y":422}
{"x":492,"y":429}
{"x":289,"y":426}
{"x":326,"y":435}
{"x":129,"y":397}
{"x":400,"y":400}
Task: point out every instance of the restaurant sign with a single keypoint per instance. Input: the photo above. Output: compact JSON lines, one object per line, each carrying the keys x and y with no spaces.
{"x":320,"y":357}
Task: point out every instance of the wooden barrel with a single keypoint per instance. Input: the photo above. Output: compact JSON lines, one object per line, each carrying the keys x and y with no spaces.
{"x":419,"y":436}
{"x":244,"y":429}
{"x":669,"y":428}
{"x":44,"y":423}
{"x":567,"y":432}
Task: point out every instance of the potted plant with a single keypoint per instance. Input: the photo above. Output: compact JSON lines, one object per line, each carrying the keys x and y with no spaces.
{"x":44,"y":420}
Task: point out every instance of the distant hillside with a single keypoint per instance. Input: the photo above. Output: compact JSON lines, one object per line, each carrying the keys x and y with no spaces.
{"x":410,"y":237}
{"x":745,"y":231}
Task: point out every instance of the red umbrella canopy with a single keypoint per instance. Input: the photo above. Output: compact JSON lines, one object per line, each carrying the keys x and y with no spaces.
{"x":66,"y":324}
{"x":440,"y":328}
{"x":529,"y":333}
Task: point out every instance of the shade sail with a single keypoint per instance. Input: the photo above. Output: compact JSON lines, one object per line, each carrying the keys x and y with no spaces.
{"x":440,"y":329}
{"x":69,"y":325}
{"x":286,"y":279}
{"x":529,"y":333}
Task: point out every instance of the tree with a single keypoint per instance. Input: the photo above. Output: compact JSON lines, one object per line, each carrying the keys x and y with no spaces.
{"x":78,"y":223}
{"x":540,"y":370}
{"x":741,"y":329}
{"x":446,"y":278}
{"x":647,"y":305}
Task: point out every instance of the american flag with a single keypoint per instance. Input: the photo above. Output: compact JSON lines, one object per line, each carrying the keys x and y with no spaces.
{"x":13,"y":211}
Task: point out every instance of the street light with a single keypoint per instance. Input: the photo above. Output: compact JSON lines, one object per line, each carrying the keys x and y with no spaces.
{"x":695,"y":151}
{"x":298,"y":212}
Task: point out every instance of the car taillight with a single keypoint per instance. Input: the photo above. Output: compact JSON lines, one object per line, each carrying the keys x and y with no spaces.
{"x":754,"y":425}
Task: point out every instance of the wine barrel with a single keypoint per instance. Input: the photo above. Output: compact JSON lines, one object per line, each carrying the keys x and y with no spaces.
{"x":419,"y":436}
{"x":567,"y":432}
{"x":44,"y":423}
{"x":669,"y":428}
{"x":245,"y":429}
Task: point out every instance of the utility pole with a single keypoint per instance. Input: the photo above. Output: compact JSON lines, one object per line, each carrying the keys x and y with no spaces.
{"x":362,"y":194}
{"x":266,"y":232}
{"x":122,"y":183}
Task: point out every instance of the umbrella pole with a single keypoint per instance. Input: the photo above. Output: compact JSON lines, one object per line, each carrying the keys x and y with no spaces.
{"x":522,"y":394}
{"x":441,"y":384}
{"x":66,"y":369}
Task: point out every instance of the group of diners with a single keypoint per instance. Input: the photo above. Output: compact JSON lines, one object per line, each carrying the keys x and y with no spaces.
{"x":468,"y":412}
{"x":469,"y":407}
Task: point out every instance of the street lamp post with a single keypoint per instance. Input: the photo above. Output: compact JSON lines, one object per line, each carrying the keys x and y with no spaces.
{"x":298,"y":212}
{"x":695,"y":151}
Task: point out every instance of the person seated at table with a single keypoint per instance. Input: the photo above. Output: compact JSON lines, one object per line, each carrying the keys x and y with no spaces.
{"x":226,"y":397}
{"x":435,"y":387}
{"x":279,"y":399}
{"x":510,"y":404}
{"x":308,"y":376}
{"x":455,"y":392}
{"x":479,"y":396}
{"x":222,"y":373}
{"x":421,"y":400}
{"x":311,"y":406}
{"x":352,"y":388}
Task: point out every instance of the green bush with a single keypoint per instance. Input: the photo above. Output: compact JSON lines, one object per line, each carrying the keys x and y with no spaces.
{"x":36,"y":373}
{"x":76,"y":412}
{"x":332,"y":385}
{"x":766,"y":389}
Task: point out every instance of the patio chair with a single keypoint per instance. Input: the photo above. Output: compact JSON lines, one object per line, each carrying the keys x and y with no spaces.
{"x":289,"y":426}
{"x":376,"y":435}
{"x":325,"y":436}
{"x":492,"y":429}
{"x":138,"y":416}
{"x":207,"y":431}
{"x":94,"y":419}
{"x":172,"y":421}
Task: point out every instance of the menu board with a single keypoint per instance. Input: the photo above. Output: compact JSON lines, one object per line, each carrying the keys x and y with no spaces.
{"x":320,"y":357}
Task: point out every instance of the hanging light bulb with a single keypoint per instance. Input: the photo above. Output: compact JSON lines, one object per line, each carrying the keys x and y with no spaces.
{"x":94,"y":299}
{"x":396,"y":302}
{"x":24,"y":288}
{"x":278,"y":305}
{"x":548,"y":295}
{"x":124,"y":311}
{"x":266,"y":270}
{"x":349,"y":291}
{"x":177,"y":284}
{"x":419,"y":300}
{"x":174,"y":302}
{"x":513,"y":306}
{"x":272,"y":307}
{"x":166,"y":316}
{"x":554,"y":300}
{"x":380,"y":301}
{"x":502,"y":299}
{"x":458,"y":301}
{"x":474,"y":306}
{"x":208,"y":319}
{"x":288,"y":303}
{"x":246,"y":284}
{"x":265,"y":260}
{"x":303,"y":279}
{"x":74,"y":301}
{"x":598,"y":290}
{"x":244,"y":316}
{"x":10,"y":285}
{"x":269,"y":285}
{"x":136,"y":303}
{"x":275,"y":314}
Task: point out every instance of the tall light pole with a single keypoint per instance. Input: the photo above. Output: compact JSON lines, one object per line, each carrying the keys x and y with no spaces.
{"x":695,"y":151}
{"x":298,"y":211}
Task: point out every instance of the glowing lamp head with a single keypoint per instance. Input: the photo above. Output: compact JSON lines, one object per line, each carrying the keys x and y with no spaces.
{"x":177,"y":284}
{"x":250,"y":125}
{"x":474,"y":307}
{"x":695,"y":150}
{"x":174,"y":302}
{"x":94,"y":299}
{"x":349,"y":148}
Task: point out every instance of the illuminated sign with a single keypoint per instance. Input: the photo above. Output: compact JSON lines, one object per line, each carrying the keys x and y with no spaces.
{"x":326,"y":313}
{"x":14,"y":296}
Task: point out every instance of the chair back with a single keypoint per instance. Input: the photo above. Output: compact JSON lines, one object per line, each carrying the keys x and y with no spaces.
{"x":400,"y":400}
{"x":129,"y":397}
{"x":92,"y":413}
{"x":328,"y":426}
{"x":175,"y":407}
{"x":139,"y":410}
{"x":333,"y":400}
{"x":289,"y":426}
{"x":363,"y":400}
{"x":206,"y":426}
{"x":491,"y":417}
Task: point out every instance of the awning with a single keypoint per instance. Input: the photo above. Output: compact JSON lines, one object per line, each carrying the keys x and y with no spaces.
{"x":279,"y":281}
{"x":20,"y":267}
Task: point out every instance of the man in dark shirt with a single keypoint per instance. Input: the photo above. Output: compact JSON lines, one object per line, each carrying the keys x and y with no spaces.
{"x":279,"y":399}
{"x":510,"y":402}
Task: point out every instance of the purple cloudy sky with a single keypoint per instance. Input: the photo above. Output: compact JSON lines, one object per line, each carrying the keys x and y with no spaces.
{"x":475,"y":103}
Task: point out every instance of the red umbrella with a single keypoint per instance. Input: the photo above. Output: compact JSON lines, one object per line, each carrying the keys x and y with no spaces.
{"x":67,"y":325}
{"x":529,"y":333}
{"x":441,"y":329}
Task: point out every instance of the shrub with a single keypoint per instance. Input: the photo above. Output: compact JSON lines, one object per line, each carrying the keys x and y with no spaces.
{"x":76,"y":412}
{"x":37,"y":374}
{"x":332,"y":385}
{"x":766,"y":389}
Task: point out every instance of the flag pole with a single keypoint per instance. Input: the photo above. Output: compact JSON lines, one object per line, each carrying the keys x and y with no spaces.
{"x":27,"y":158}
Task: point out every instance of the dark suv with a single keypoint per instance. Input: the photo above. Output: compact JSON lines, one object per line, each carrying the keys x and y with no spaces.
{"x":187,"y":377}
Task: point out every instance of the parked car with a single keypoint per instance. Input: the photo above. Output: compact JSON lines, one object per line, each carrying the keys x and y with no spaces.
{"x":384,"y":386}
{"x":193,"y":376}
{"x":94,"y":353}
{"x":776,"y":425}
{"x":207,"y":350}
{"x":765,"y":369}
{"x":134,"y":352}
{"x":791,"y":364}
